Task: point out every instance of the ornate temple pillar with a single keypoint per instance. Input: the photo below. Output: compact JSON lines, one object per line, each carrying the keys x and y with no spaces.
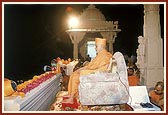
{"x":150,"y":59}
{"x":113,"y":40}
{"x":75,"y":50}
{"x":110,"y":46}
{"x":76,"y":37}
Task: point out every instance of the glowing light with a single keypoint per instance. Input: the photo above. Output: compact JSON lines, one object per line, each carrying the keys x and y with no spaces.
{"x":73,"y":22}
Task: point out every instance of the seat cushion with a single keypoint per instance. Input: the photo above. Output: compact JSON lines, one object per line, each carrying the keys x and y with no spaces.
{"x":99,"y":77}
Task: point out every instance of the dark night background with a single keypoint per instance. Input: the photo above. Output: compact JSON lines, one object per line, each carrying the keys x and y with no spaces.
{"x":34,"y":34}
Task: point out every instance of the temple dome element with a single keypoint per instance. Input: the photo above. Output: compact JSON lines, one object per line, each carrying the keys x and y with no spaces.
{"x":91,"y":17}
{"x":92,"y":14}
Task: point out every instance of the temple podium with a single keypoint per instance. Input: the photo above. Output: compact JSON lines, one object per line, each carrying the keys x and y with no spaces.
{"x":38,"y":99}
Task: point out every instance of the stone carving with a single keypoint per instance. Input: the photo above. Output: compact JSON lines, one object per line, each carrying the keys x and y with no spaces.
{"x":141,"y":50}
{"x":116,"y":25}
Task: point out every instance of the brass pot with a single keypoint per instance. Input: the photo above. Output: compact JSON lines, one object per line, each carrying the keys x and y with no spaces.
{"x":9,"y":87}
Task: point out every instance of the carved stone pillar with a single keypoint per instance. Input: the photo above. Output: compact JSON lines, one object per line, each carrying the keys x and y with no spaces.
{"x":75,"y":50}
{"x":154,"y":48}
{"x":110,"y":36}
{"x":110,"y":46}
{"x":76,"y":37}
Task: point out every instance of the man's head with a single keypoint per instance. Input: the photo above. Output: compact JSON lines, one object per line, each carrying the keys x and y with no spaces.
{"x":130,"y":71}
{"x":100,"y":44}
{"x":159,"y":88}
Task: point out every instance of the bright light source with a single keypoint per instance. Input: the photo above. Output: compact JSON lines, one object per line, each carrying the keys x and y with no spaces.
{"x":73,"y":22}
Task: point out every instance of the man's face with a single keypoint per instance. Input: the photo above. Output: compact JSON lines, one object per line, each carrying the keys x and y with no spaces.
{"x":130,"y":72}
{"x":98,"y":48}
{"x":158,"y":90}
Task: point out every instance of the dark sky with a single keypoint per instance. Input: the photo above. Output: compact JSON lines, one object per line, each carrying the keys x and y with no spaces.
{"x":35,"y":34}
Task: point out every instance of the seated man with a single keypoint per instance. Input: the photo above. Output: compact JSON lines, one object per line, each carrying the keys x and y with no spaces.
{"x":132,"y":79}
{"x":157,"y":95}
{"x":99,"y":63}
